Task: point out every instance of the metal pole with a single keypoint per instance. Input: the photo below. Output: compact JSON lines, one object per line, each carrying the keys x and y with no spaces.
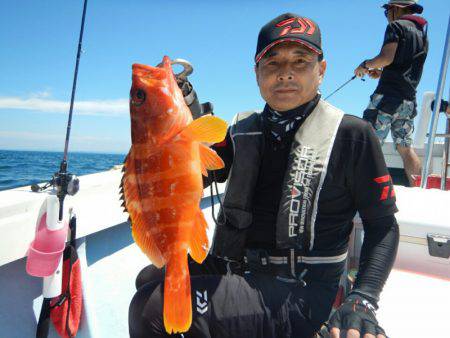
{"x":446,"y":153}
{"x":437,"y":107}
{"x":445,"y":156}
{"x":445,"y":160}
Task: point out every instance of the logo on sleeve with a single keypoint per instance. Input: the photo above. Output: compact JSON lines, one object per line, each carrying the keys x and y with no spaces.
{"x":387,"y":187}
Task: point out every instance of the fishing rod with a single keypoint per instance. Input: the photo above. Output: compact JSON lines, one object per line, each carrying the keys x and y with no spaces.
{"x":65,"y":184}
{"x":342,"y":86}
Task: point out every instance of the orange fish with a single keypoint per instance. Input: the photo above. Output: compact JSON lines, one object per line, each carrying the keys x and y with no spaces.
{"x":162,"y":182}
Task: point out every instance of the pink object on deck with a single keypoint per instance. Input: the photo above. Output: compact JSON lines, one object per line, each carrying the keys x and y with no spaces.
{"x":46,"y":250}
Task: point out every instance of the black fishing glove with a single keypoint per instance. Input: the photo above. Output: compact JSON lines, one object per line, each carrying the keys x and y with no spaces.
{"x":191,"y":99}
{"x":356,"y":313}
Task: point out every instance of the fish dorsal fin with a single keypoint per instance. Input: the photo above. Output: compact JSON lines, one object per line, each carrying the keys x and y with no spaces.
{"x":207,"y":128}
{"x":209,"y":159}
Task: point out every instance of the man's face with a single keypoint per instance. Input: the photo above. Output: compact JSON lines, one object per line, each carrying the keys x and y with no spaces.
{"x":289,"y":75}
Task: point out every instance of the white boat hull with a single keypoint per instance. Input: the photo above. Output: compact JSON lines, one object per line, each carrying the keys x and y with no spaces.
{"x":111,"y":261}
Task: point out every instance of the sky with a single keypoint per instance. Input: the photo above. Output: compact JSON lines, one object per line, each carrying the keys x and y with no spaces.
{"x":38,"y":44}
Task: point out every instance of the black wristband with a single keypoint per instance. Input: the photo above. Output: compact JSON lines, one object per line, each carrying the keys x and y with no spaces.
{"x":371,"y":298}
{"x":363,"y":65}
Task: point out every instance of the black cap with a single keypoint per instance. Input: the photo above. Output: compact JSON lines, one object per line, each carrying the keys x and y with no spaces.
{"x":289,"y":27}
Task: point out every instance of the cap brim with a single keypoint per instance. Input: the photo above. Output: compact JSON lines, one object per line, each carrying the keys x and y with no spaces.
{"x":277,"y":42}
{"x":416,"y":7}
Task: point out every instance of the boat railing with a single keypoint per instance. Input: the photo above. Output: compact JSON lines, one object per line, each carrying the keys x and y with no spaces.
{"x":434,"y":121}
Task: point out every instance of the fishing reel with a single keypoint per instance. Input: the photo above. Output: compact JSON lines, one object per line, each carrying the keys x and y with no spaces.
{"x":190,"y":96}
{"x":38,"y":188}
{"x":64,"y":183}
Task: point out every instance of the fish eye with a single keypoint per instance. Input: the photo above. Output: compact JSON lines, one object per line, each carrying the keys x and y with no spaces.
{"x":137,"y":97}
{"x":140,"y":94}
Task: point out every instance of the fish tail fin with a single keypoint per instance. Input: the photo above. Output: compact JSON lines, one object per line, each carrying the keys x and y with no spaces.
{"x":177,"y":311}
{"x":207,"y":128}
{"x":199,"y":240}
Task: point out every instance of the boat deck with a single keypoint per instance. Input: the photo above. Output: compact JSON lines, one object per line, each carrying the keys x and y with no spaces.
{"x":111,"y":261}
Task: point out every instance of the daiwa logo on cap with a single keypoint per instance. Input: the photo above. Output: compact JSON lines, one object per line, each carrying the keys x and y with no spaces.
{"x":305,"y":25}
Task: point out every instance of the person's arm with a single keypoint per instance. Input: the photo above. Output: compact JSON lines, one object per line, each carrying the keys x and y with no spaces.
{"x":381,"y":238}
{"x":385,"y":58}
{"x":374,"y":197}
{"x":378,"y":253}
{"x":386,"y":55}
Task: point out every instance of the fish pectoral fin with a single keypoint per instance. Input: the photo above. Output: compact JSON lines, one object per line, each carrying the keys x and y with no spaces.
{"x":209,"y":158}
{"x":207,"y":128}
{"x":203,"y":168}
{"x":199,"y":241}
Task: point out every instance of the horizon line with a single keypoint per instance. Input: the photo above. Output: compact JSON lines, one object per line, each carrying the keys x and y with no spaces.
{"x":99,"y":152}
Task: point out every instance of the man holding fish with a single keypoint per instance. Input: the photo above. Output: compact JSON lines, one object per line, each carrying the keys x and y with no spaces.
{"x":296,"y":174}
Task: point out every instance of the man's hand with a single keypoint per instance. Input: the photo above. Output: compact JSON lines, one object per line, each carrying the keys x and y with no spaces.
{"x":361,"y":70}
{"x":355,"y":319}
{"x":375,"y":73}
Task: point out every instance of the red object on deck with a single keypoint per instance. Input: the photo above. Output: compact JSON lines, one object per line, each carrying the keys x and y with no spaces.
{"x":66,"y":316}
{"x":433,"y":182}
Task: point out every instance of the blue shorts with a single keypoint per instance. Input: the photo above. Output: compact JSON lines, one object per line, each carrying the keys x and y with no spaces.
{"x":386,"y":113}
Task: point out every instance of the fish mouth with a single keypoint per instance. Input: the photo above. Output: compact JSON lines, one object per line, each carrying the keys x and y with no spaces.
{"x":164,"y":65}
{"x":146,"y":73}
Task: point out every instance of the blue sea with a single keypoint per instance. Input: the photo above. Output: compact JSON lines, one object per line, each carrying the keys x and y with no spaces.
{"x":21,"y":168}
